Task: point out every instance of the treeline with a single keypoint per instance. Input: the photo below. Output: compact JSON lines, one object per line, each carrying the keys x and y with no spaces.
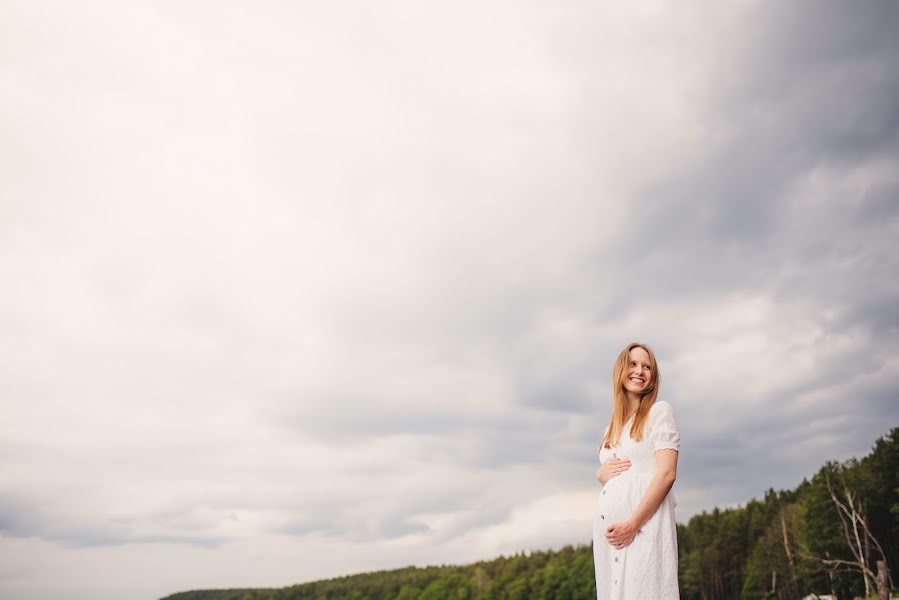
{"x":566,"y":573}
{"x":798,"y":542}
{"x":823,"y":537}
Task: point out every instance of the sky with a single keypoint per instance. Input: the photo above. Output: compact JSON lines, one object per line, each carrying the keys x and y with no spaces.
{"x":299,"y":290}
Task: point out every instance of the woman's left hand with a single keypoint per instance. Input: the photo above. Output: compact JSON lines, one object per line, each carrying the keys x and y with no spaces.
{"x":621,"y":534}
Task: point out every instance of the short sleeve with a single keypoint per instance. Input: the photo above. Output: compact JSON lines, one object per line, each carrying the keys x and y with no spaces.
{"x":663,"y":434}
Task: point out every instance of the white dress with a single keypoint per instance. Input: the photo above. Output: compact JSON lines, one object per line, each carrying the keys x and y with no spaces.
{"x":646,"y":569}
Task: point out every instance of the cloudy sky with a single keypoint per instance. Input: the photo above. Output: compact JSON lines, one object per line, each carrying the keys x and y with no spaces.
{"x":295,"y":290}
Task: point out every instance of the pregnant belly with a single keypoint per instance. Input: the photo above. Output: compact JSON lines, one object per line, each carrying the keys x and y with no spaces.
{"x":620,"y":497}
{"x":618,"y":500}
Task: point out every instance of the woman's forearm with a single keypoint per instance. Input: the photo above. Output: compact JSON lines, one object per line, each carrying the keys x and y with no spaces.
{"x":652,"y":499}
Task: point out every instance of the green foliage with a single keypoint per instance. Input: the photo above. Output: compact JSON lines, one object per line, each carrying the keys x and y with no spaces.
{"x":769,"y":549}
{"x":566,"y":574}
{"x":773,"y":548}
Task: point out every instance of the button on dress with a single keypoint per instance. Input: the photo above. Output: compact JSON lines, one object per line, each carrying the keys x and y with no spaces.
{"x":646,"y":569}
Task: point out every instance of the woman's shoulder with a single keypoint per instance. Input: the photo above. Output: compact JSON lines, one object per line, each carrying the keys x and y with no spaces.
{"x":660,"y":406}
{"x":661,"y":411}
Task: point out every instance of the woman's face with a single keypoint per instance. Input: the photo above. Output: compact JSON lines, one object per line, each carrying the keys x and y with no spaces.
{"x":639,"y":371}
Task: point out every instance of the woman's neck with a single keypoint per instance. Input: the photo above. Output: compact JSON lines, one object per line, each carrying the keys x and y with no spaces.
{"x":633,"y":403}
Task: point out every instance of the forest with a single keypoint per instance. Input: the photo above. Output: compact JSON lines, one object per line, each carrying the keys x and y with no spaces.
{"x":826,"y":536}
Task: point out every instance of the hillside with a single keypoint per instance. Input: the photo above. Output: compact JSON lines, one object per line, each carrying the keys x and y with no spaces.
{"x":738,"y":553}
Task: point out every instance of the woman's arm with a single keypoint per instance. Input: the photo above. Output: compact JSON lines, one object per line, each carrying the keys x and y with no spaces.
{"x":622,"y":534}
{"x":664,"y":439}
{"x":666,"y":473}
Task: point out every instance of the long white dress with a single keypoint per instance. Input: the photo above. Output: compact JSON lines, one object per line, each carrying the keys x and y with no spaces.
{"x":646,"y":569}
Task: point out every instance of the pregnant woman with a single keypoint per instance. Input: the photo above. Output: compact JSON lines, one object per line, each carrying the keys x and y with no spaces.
{"x":634,"y":534}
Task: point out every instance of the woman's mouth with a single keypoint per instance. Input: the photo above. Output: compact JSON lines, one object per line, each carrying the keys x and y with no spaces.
{"x":636,"y":380}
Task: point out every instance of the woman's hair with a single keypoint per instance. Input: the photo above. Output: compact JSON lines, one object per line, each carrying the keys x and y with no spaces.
{"x":619,"y":399}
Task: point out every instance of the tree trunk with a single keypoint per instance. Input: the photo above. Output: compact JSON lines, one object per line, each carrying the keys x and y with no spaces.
{"x":833,"y":589}
{"x":883,"y":578}
{"x":783,"y":525}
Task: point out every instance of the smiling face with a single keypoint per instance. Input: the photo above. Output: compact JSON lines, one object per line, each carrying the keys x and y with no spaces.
{"x":635,"y":380}
{"x":638,"y":374}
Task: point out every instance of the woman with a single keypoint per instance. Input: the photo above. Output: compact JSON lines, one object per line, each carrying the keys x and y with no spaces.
{"x":634,"y":532}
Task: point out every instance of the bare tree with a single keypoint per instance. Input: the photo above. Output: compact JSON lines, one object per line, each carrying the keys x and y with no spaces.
{"x":857,"y":534}
{"x":791,"y":584}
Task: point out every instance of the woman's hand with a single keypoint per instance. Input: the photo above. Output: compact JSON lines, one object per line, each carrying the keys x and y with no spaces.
{"x":612,"y":467}
{"x":622,"y":534}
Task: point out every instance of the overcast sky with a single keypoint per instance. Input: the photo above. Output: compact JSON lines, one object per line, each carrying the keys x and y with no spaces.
{"x":296,"y":290}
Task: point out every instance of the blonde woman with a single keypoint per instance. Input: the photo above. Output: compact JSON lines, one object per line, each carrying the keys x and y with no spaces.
{"x":634,"y":532}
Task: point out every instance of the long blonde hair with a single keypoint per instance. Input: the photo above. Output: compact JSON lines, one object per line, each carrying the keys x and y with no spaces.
{"x":612,"y":436}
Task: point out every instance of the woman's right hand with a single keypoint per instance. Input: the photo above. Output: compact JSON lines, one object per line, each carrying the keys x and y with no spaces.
{"x":611,"y":468}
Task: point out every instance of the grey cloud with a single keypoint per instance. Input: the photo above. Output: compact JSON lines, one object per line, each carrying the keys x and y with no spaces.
{"x":348,"y":527}
{"x":358,"y":519}
{"x":25,"y":516}
{"x":728,"y":222}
